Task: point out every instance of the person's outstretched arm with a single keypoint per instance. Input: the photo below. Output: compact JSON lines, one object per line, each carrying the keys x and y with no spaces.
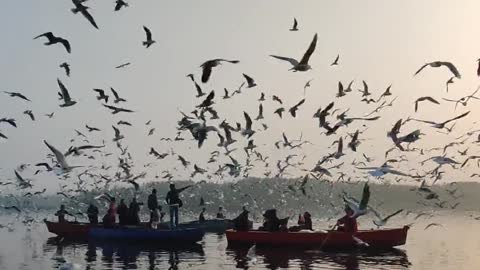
{"x":182,"y":189}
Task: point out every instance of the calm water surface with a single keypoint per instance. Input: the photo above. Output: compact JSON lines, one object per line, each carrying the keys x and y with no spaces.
{"x":454,"y":245}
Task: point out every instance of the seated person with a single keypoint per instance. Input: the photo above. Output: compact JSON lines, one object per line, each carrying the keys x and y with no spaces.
{"x":61,"y":214}
{"x":271,"y":221}
{"x":220,"y":214}
{"x":109,"y":219}
{"x":201,"y":217}
{"x":241,"y":223}
{"x":347,"y":223}
{"x":304,"y":223}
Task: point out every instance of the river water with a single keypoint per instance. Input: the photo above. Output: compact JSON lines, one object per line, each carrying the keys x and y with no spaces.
{"x":455,"y":244}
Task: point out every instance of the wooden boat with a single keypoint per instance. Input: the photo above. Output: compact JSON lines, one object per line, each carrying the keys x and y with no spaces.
{"x":69,"y":229}
{"x":212,"y":225}
{"x":376,"y":239}
{"x":139,"y":233}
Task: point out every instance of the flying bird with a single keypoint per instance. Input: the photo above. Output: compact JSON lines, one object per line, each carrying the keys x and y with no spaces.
{"x":293,"y":110}
{"x":250,"y":82}
{"x":123,"y":65}
{"x":380,"y":222}
{"x":335,"y":62}
{"x":119,"y":4}
{"x":424,"y":99}
{"x":61,"y":160}
{"x":359,"y":209}
{"x":117,"y":97}
{"x":208,"y":101}
{"x":149,"y":42}
{"x":436,"y":64}
{"x":118,"y":135}
{"x":295,"y":25}
{"x":208,"y":65}
{"x":260,"y":112}
{"x":67,"y":100}
{"x":303,"y":64}
{"x":116,"y":110}
{"x":30,"y":113}
{"x":66,"y":67}
{"x":52,"y":39}
{"x":15,"y":94}
{"x":84,"y":11}
{"x":442,"y":125}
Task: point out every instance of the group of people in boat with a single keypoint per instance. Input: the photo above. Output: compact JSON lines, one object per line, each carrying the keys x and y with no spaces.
{"x":129,"y":215}
{"x":272,"y":223}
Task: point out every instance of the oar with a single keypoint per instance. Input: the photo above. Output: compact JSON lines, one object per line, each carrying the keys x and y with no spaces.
{"x":328,"y":235}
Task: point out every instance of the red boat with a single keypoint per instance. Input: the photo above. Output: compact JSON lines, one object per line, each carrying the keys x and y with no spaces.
{"x":377,"y":239}
{"x":69,"y":229}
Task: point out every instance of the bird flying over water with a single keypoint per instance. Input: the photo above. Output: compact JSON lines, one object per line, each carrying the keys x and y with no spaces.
{"x":303,"y":65}
{"x":52,"y":39}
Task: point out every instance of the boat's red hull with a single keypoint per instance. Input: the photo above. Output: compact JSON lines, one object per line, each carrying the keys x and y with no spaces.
{"x":386,"y":238}
{"x":75,"y":230}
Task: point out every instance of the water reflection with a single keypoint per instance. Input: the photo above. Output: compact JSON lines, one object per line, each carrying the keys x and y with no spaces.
{"x":124,"y":255}
{"x":276,"y":258}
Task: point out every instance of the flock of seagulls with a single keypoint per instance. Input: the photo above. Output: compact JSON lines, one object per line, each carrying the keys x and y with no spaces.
{"x":206,"y":123}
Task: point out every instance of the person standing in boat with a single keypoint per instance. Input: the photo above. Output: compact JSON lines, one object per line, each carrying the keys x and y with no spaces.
{"x":152,"y":204}
{"x":201,"y":217}
{"x":220,"y":214}
{"x":92,"y":213}
{"x":174,"y":202}
{"x":241,"y":223}
{"x":347,"y":223}
{"x":122,"y":213}
{"x":61,"y":214}
{"x":133,"y":211}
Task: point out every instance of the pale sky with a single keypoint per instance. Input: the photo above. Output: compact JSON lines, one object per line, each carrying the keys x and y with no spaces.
{"x":381,"y":42}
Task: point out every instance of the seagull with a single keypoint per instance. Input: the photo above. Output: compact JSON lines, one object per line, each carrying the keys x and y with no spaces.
{"x":248,"y":126}
{"x":208,"y":65}
{"x":184,"y":162}
{"x":15,"y":94}
{"x":279,"y":111}
{"x":66,"y":66}
{"x":119,"y":4}
{"x":295,"y":26}
{"x":197,"y":170}
{"x":101,"y":95}
{"x":3,"y":136}
{"x":335,"y":63}
{"x":116,"y":110}
{"x":293,"y":110}
{"x":54,"y":40}
{"x":46,"y":165}
{"x":303,"y":64}
{"x":118,"y":135}
{"x":250,"y":82}
{"x":307,"y":84}
{"x":442,"y":125}
{"x":420,"y":99}
{"x":433,"y":225}
{"x":147,"y":43}
{"x":260,"y":112}
{"x":262,"y":97}
{"x":123,"y":65}
{"x":61,"y":161}
{"x":354,"y":142}
{"x":359,"y":209}
{"x":435,"y":64}
{"x":341,"y":91}
{"x":67,"y":100}
{"x":365,"y":92}
{"x":208,"y":101}
{"x":380,"y":222}
{"x":84,"y":11}
{"x":125,"y":123}
{"x":30,"y":113}
{"x":226,"y":95}
{"x":275,"y":98}
{"x":339,"y":152}
{"x":200,"y":93}
{"x":117,"y":97}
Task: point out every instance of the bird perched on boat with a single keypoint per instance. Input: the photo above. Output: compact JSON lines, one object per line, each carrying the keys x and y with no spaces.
{"x":52,"y":39}
{"x":303,"y":64}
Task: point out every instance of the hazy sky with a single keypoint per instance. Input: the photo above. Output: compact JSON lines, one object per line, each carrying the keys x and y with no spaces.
{"x":381,"y":42}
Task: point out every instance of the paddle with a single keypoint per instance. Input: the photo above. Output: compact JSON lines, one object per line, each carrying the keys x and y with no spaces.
{"x":328,"y":235}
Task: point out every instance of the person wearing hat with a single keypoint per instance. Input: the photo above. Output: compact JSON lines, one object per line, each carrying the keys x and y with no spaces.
{"x":241,"y":223}
{"x":347,"y":223}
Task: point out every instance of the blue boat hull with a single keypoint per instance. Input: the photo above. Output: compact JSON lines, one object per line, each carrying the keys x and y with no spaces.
{"x":146,"y":234}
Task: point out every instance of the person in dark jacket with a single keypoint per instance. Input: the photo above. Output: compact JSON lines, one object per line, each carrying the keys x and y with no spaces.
{"x":133,"y":211}
{"x":92,"y":214}
{"x":241,"y":223}
{"x":347,"y":223}
{"x":174,"y":202}
{"x":109,"y":219}
{"x":220,"y":214}
{"x":122,"y":213}
{"x":201,"y":217}
{"x":152,"y":204}
{"x":61,"y":214}
{"x":271,"y":221}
